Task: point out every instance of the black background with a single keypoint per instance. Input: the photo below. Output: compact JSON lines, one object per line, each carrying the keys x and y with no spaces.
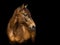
{"x":39,"y":11}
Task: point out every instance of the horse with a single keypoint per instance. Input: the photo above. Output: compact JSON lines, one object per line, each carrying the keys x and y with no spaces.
{"x":21,"y":26}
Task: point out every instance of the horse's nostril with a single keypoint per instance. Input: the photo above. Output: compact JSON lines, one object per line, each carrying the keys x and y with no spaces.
{"x":33,"y":27}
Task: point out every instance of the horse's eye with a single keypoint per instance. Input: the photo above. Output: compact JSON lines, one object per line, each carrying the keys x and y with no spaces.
{"x":24,"y":14}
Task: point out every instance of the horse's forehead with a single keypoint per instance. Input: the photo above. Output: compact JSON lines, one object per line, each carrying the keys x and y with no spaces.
{"x":27,"y":11}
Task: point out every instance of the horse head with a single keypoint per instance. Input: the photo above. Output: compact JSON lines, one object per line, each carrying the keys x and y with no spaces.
{"x":24,"y":17}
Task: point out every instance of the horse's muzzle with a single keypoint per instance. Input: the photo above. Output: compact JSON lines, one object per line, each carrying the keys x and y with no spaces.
{"x":33,"y":28}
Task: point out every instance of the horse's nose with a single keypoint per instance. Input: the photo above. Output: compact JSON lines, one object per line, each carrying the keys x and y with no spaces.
{"x":33,"y":27}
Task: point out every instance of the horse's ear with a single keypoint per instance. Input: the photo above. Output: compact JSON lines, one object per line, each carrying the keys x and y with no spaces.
{"x":22,"y":6}
{"x":26,"y":6}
